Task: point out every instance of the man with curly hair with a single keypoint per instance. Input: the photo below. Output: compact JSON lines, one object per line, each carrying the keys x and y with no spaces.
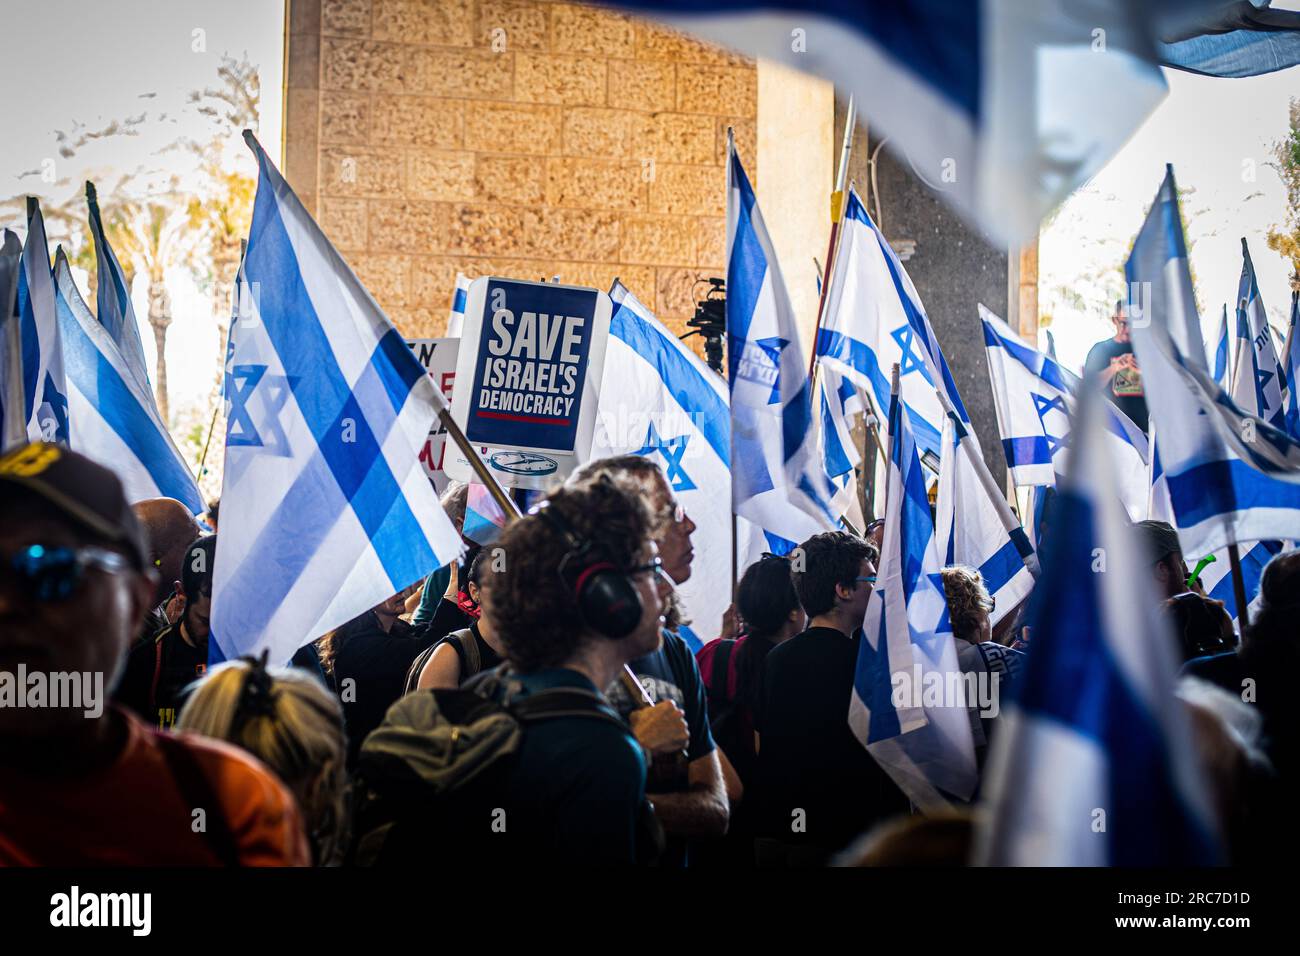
{"x":577,"y":790}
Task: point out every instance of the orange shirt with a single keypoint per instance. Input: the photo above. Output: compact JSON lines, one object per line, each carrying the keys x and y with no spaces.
{"x":132,"y":813}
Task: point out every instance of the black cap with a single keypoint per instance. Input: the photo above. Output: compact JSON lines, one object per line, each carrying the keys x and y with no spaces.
{"x":88,"y":493}
{"x":1159,"y":540}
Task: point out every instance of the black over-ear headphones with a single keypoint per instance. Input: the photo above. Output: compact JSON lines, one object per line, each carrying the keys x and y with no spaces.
{"x":607,"y":599}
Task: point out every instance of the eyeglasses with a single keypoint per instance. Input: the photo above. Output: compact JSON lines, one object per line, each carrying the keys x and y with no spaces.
{"x":679,"y":514}
{"x":53,"y":574}
{"x":656,"y":566}
{"x":869,"y":579}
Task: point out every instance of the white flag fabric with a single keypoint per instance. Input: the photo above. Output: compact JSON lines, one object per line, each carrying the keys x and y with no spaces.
{"x":1222,"y":344}
{"x":1257,"y":373}
{"x":920,"y":738}
{"x":839,"y":400}
{"x":456,"y":316}
{"x":45,"y":392}
{"x":1230,"y":476}
{"x":1094,"y":763}
{"x":1033,"y":399}
{"x":113,"y":296}
{"x":113,"y":416}
{"x":327,"y":510}
{"x":1291,"y":352}
{"x":659,"y":400}
{"x":974,"y":525}
{"x":1002,"y":107}
{"x":873,"y":319}
{"x":777,"y":479}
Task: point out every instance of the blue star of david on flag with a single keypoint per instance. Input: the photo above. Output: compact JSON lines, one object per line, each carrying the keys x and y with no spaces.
{"x":1262,"y":378}
{"x":772,"y":349}
{"x":672,"y":450}
{"x":910,"y":361}
{"x":1043,"y":405}
{"x":240,"y":383}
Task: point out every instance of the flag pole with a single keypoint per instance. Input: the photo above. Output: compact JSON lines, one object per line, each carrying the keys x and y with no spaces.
{"x":986,"y":481}
{"x":731,"y":492}
{"x":503,"y":500}
{"x":1238,"y":587}
{"x":512,"y":513}
{"x":837,"y":215}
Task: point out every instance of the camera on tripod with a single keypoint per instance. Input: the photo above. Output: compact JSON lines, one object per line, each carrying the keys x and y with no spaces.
{"x":710,"y":321}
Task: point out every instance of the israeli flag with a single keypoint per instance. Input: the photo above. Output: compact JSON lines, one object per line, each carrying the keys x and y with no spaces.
{"x":1257,"y":383}
{"x":45,"y":392}
{"x":456,"y":316}
{"x":1243,"y":38}
{"x":657,"y":399}
{"x":1230,"y":476}
{"x":1217,"y":576}
{"x":1094,"y":763}
{"x":1292,"y":359}
{"x":1033,"y":399}
{"x":1002,"y":107}
{"x":13,"y":418}
{"x":327,"y":510}
{"x":113,"y":296}
{"x":114,"y":419}
{"x":873,"y":319}
{"x":975,"y":526}
{"x":922,"y":739}
{"x":1221,"y":374}
{"x":776,"y":478}
{"x":839,"y":400}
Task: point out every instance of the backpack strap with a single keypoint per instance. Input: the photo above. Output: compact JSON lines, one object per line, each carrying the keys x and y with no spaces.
{"x":558,"y":702}
{"x":471,"y":661}
{"x":198,"y":793}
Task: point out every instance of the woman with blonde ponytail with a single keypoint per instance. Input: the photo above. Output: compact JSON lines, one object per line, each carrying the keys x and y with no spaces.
{"x":290,"y":722}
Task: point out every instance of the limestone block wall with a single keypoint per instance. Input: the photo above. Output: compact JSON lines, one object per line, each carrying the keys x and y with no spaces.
{"x":514,"y":137}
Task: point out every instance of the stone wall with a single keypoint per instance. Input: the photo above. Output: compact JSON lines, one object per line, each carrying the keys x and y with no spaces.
{"x":512,"y":137}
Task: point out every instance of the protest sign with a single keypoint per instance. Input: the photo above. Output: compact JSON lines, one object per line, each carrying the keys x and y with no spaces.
{"x":531,"y":358}
{"x":438,"y":356}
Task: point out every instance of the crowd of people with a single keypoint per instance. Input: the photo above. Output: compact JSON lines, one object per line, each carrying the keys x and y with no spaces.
{"x":535,"y":700}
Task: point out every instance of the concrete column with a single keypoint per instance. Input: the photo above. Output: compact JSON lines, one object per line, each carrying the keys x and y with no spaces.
{"x":796,"y":155}
{"x":301,"y":125}
{"x":954,"y":268}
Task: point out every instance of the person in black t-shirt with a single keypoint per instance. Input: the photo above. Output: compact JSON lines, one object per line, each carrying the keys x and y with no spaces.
{"x":819,"y":786}
{"x":1112,"y":367}
{"x":367,"y":660}
{"x":159,"y":671}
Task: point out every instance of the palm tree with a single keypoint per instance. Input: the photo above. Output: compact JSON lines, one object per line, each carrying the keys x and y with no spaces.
{"x":151,"y":234}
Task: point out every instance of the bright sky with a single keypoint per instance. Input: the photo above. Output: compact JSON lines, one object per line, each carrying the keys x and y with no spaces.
{"x":69,"y":62}
{"x":1217,"y":134}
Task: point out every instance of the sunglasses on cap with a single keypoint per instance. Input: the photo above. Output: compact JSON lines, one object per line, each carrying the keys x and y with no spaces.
{"x":54,"y":574}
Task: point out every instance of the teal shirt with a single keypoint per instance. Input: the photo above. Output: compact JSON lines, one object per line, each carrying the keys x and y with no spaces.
{"x":578,"y":785}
